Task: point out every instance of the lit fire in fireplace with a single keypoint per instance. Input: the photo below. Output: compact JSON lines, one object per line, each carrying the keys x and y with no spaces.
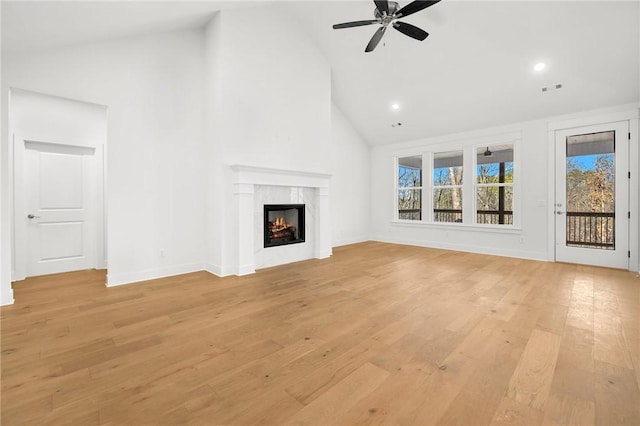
{"x":279,"y":228}
{"x":283,"y":224}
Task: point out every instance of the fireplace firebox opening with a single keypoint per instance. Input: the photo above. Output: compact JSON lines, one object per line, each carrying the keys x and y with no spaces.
{"x":283,"y":224}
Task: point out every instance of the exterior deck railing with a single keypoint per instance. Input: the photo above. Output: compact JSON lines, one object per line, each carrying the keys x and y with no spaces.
{"x":589,"y":229}
{"x":493,"y":217}
{"x":447,"y":215}
{"x":410,"y":214}
{"x":455,"y":216}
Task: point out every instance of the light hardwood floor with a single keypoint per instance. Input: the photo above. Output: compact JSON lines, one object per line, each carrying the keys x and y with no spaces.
{"x":378,"y":333}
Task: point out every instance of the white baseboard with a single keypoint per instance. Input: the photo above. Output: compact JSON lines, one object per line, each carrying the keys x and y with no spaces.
{"x":6,"y":298}
{"x":323,"y":254}
{"x":219,"y":271}
{"x":213,"y":269}
{"x":493,"y":251}
{"x":246,"y":270}
{"x":151,"y":274}
{"x":348,"y":241}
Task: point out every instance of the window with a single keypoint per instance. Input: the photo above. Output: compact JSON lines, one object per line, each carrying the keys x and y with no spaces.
{"x":469,"y":184}
{"x":494,"y":185}
{"x":447,"y":186}
{"x":410,"y":188}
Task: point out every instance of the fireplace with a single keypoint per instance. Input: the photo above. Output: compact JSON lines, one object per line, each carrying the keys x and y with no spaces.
{"x":283,"y":224}
{"x":253,"y":188}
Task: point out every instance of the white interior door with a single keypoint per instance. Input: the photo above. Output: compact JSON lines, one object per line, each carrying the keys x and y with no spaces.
{"x":59,"y":201}
{"x":592,"y":195}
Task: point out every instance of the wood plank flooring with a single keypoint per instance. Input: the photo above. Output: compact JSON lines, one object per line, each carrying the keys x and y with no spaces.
{"x":377,"y":334}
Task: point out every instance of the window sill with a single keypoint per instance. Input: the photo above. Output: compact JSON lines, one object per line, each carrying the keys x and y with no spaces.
{"x":502,"y":229}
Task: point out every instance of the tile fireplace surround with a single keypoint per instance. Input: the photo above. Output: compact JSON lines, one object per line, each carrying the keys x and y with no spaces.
{"x":253,"y":187}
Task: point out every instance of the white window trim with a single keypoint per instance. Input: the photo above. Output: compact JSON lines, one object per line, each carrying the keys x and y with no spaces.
{"x":480,"y":227}
{"x":434,"y":187}
{"x":469,"y":185}
{"x":515,"y":142}
{"x":397,"y":188}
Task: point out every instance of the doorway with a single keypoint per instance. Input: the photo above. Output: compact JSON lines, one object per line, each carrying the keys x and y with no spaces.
{"x":58,"y":184}
{"x":591,"y":208}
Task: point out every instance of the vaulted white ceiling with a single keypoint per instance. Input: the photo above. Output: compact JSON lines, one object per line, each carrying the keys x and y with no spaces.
{"x":35,"y":25}
{"x":475,"y":70}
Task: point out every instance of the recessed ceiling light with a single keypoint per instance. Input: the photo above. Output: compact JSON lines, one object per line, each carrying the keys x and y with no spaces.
{"x":539,"y":66}
{"x":395,"y":106}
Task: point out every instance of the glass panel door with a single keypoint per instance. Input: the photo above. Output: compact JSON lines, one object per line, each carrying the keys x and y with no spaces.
{"x":592,"y":195}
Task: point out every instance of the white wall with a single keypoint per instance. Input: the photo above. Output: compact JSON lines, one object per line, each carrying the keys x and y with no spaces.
{"x":531,"y":239}
{"x":269,"y":105}
{"x":213,"y":150}
{"x":153,"y":88}
{"x":350,"y":184}
{"x":276,"y":92}
{"x":44,"y":118}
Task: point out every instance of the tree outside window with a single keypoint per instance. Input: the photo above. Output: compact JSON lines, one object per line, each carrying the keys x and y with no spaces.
{"x":410,"y":188}
{"x":447,"y":186}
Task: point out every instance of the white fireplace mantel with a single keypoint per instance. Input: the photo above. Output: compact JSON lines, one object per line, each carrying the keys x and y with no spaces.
{"x":245,"y":178}
{"x":278,"y":177}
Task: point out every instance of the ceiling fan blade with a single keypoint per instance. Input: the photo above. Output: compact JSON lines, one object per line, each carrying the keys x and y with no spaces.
{"x":354,"y":24}
{"x":411,"y":30}
{"x":375,"y":39}
{"x":382,"y":6}
{"x":414,"y":7}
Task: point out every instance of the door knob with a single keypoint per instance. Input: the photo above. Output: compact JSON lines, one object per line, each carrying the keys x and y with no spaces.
{"x":559,"y":213}
{"x":31,"y":216}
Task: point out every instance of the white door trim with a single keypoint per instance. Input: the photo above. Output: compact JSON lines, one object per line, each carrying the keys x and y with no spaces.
{"x":634,"y":195}
{"x":616,"y":258}
{"x":633,"y":117}
{"x":19,"y":211}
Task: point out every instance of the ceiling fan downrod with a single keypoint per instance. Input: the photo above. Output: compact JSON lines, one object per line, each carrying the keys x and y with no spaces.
{"x":386,"y":13}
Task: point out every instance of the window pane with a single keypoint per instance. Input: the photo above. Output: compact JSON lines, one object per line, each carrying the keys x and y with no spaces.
{"x":494,"y":164}
{"x":447,"y":205}
{"x":590,"y":183}
{"x":495,"y":173}
{"x":591,"y":191}
{"x":410,"y":204}
{"x":447,"y":168}
{"x":495,"y":205}
{"x":410,"y":171}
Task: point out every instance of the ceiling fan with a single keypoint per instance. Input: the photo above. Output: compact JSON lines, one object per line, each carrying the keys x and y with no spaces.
{"x":387,"y":13}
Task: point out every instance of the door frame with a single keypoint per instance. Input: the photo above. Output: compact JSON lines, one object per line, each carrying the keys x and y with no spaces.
{"x":19,"y":247}
{"x":632,"y":116}
{"x":618,"y":257}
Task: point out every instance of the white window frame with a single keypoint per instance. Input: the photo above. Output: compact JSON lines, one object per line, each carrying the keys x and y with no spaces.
{"x":398,"y":188}
{"x":513,"y":186}
{"x":435,"y":187}
{"x":469,"y":182}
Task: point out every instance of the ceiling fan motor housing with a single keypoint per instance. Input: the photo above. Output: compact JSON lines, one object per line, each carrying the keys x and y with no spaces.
{"x":393,"y":8}
{"x":386,"y":14}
